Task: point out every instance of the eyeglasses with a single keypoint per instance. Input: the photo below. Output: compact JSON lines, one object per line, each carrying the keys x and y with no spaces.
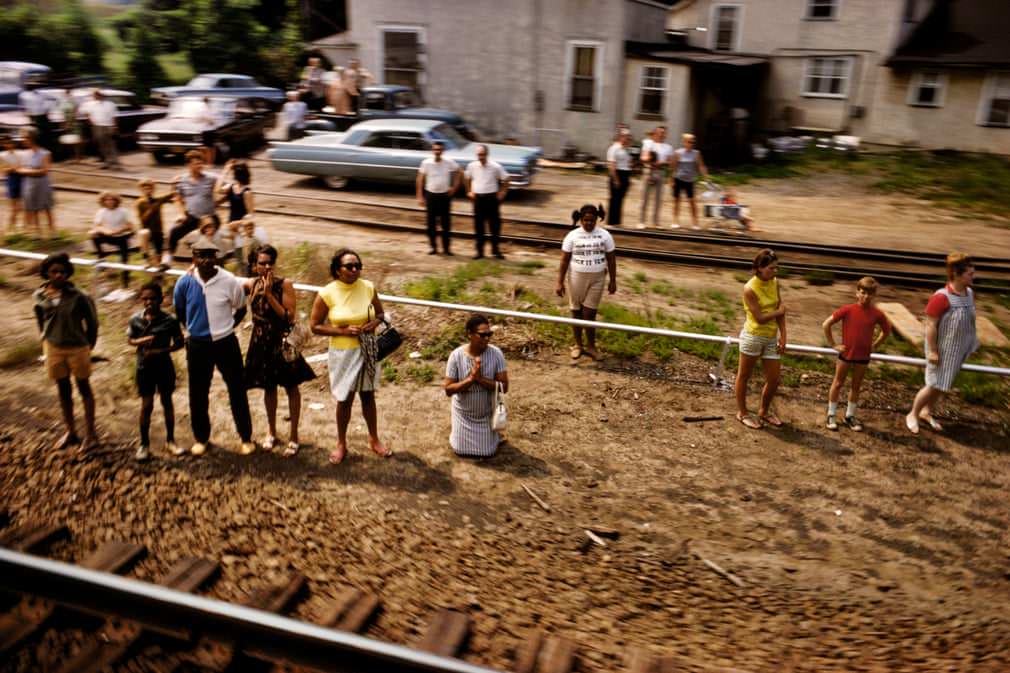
{"x":484,"y":335}
{"x":353,"y":266}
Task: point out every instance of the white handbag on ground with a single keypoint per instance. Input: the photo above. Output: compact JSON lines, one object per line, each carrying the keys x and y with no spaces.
{"x":499,"y":414}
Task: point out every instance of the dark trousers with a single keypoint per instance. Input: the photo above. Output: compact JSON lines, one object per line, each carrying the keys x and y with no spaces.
{"x":201,"y":358}
{"x":180,"y":230}
{"x":437,"y":207}
{"x":121,"y":242}
{"x":617,"y":193}
{"x":485,"y":210}
{"x":45,"y":130}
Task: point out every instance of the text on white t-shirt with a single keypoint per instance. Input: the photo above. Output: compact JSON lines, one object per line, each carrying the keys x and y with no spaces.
{"x":588,"y":249}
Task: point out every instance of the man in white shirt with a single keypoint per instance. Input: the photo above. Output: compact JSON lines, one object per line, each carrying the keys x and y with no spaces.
{"x":36,"y":106}
{"x":293,"y":116}
{"x":101,"y":114}
{"x":487,"y":183}
{"x":656,"y":154}
{"x":437,"y":180}
{"x":619,"y":172}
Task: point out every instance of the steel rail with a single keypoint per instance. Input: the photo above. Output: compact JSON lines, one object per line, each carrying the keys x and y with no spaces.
{"x":898,"y":278}
{"x":998,"y":264}
{"x":262,"y":633}
{"x":727,"y":340}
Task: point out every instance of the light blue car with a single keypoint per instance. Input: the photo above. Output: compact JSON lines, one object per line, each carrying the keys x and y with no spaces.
{"x":391,"y":150}
{"x":222,"y":85}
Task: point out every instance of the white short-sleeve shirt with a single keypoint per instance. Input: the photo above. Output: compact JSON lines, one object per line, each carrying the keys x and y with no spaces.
{"x":619,"y":156}
{"x":113,"y":220}
{"x":100,"y":112}
{"x":484,"y":178}
{"x":438,"y":174}
{"x":588,"y":249}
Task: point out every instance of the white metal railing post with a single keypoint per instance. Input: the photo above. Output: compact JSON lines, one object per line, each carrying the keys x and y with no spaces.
{"x":718,"y":377}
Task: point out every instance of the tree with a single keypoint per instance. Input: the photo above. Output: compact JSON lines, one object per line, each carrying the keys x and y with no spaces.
{"x":145,"y":72}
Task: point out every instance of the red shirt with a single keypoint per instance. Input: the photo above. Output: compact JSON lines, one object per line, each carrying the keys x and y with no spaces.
{"x":938,"y":303}
{"x":857,"y":329}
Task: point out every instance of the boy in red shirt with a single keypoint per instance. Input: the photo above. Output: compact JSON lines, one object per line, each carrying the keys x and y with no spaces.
{"x":859,"y":321}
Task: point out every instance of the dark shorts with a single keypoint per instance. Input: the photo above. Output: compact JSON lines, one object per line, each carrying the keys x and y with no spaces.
{"x":13,"y":185}
{"x":853,"y":362}
{"x":683,"y":186}
{"x":160,"y":379}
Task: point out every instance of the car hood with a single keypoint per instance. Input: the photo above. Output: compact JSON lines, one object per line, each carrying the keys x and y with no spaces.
{"x":429,"y":113}
{"x":506,"y":155}
{"x":174,"y":125}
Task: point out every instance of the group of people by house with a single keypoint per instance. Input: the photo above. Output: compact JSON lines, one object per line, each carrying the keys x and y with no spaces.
{"x":337,"y":91}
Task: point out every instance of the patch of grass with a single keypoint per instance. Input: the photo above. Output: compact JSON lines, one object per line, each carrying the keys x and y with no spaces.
{"x":21,"y":353}
{"x":984,"y":389}
{"x":662,"y":287}
{"x":451,"y":288}
{"x":23,"y":241}
{"x":421,"y":372}
{"x":530,"y":267}
{"x":819,"y":278}
{"x":390,"y":373}
{"x":444,"y":343}
{"x":308,"y":262}
{"x":640,"y":277}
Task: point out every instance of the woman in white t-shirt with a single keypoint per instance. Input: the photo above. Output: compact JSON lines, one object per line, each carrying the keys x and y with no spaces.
{"x":587,"y":258}
{"x":113,"y":225}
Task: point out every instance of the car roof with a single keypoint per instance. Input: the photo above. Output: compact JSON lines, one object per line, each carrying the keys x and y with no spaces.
{"x":24,"y":65}
{"x":393,"y":124}
{"x":223,"y":74}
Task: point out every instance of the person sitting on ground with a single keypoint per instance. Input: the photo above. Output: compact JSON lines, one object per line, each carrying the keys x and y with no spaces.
{"x":950,"y":339}
{"x":113,"y":225}
{"x":156,"y":335}
{"x":763,"y":338}
{"x":859,"y":321}
{"x":68,"y":322}
{"x":273,"y":307}
{"x":587,"y":258}
{"x":472,"y":375}
{"x":151,"y":234}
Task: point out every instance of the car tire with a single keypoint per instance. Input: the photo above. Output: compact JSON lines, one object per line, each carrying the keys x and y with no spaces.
{"x":335,"y":181}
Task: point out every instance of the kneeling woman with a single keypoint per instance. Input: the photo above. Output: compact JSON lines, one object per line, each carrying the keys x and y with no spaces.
{"x":471,"y":376}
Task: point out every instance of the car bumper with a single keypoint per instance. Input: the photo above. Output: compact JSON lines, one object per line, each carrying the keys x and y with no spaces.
{"x":176,"y":147}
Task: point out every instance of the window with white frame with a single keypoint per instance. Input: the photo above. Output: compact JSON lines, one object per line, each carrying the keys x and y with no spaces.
{"x":726,"y":27}
{"x":995,"y":107}
{"x":927,"y":89}
{"x":583,"y":76}
{"x":823,"y":10}
{"x":827,"y":77}
{"x":652,"y":93}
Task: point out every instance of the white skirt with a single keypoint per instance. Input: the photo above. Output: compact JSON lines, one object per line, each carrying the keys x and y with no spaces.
{"x":346,"y":376}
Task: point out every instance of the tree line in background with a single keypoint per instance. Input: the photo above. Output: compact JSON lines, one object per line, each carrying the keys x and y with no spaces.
{"x":262,"y":38}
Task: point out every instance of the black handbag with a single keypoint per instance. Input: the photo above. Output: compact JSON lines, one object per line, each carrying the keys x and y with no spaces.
{"x":387,"y":341}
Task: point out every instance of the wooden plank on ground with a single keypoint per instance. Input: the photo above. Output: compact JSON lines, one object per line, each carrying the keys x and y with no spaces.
{"x":904,"y":322}
{"x":117,"y":640}
{"x":642,"y":661}
{"x":545,"y":654}
{"x":350,"y":610}
{"x":529,"y":652}
{"x":446,"y":633}
{"x":989,"y":334}
{"x":32,"y":536}
{"x":31,"y":614}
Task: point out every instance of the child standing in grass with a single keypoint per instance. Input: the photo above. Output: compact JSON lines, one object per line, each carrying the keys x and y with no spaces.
{"x":156,"y":335}
{"x":859,"y":322}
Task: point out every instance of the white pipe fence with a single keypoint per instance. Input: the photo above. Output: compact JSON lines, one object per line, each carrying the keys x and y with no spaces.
{"x":725,"y":340}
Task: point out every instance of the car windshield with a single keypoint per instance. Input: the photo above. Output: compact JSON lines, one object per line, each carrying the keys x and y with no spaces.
{"x":403,"y":99}
{"x":203,"y":82}
{"x":450,"y":135}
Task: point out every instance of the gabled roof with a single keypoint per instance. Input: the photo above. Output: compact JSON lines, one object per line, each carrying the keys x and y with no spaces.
{"x":959,"y":33}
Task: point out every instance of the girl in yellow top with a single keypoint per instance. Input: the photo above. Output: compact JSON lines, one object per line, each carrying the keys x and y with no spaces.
{"x":763,"y":338}
{"x":343,"y":311}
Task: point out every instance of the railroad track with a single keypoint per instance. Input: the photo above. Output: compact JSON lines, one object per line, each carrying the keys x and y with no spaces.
{"x":651,"y":245}
{"x":122,"y":619}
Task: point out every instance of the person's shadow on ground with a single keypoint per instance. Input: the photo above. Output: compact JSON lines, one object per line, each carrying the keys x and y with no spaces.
{"x":513,"y":461}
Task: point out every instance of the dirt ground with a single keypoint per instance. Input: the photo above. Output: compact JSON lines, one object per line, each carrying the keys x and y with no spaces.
{"x":877,"y":551}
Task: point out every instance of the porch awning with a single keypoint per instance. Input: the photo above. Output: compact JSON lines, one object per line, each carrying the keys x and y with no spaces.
{"x":696,"y":57}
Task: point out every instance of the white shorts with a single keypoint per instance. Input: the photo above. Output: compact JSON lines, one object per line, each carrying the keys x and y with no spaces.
{"x":585,"y":290}
{"x":766,"y":348}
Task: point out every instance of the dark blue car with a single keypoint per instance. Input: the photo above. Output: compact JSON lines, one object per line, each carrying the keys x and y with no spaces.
{"x":222,"y":84}
{"x":388,"y":101}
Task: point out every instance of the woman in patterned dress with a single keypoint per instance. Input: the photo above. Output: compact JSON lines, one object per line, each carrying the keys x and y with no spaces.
{"x":272,"y":304}
{"x":950,"y":339}
{"x":36,"y":187}
{"x":471,"y":375}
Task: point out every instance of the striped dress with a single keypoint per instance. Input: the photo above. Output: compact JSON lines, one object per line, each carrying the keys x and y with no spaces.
{"x":471,"y":409}
{"x":955,"y":339}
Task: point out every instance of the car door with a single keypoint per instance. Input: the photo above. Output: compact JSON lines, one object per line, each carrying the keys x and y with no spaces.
{"x":374,"y":159}
{"x":409,"y":151}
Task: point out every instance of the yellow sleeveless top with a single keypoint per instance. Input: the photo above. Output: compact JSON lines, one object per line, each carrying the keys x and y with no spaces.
{"x":768,"y":299}
{"x":348,"y":305}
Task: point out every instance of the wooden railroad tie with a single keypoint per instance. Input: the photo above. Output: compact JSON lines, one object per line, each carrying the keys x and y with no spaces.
{"x":117,"y":640}
{"x":33,"y":536}
{"x":446,"y":634}
{"x":545,"y":654}
{"x":32,"y":614}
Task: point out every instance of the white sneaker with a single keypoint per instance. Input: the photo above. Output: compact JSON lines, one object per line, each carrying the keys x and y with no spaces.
{"x":142,"y":453}
{"x":640,"y":225}
{"x":198,"y":449}
{"x":675,"y":226}
{"x":246,"y":448}
{"x":175,"y":449}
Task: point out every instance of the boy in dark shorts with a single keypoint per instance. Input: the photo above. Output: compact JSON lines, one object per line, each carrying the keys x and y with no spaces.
{"x":156,"y":335}
{"x":859,"y":321}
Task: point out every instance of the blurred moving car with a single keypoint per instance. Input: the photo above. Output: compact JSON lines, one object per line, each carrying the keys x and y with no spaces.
{"x":221,"y":85}
{"x":387,"y":101}
{"x":391,"y":150}
{"x":14,"y":75}
{"x":229,"y":125}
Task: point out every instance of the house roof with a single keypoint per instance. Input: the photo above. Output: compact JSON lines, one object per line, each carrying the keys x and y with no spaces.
{"x":675,"y":53}
{"x":959,"y":33}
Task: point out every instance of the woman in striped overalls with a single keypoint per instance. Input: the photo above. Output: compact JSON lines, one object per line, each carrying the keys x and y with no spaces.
{"x":950,"y":338}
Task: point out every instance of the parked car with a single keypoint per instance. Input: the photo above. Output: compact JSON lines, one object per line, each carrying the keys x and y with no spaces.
{"x":129,"y":116}
{"x":387,"y":101}
{"x":14,"y":75}
{"x":221,"y":85}
{"x":229,"y":125}
{"x":391,"y":150}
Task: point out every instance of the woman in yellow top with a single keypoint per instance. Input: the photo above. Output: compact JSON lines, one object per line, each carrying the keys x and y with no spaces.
{"x":763,"y":338}
{"x":348,"y":310}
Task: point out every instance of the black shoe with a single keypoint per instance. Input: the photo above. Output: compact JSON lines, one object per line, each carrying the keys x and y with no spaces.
{"x":450,"y":253}
{"x":853,"y":424}
{"x":498,"y":255}
{"x":433,"y":251}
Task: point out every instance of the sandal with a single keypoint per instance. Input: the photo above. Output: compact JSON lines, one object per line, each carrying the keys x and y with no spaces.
{"x":268,"y":443}
{"x":337,"y":456}
{"x":772,"y":420}
{"x":933,"y":423}
{"x":291,"y":449}
{"x":575,"y":352}
{"x":749,"y":421}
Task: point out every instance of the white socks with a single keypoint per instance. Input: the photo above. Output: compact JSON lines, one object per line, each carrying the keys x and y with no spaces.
{"x":832,"y":409}
{"x":850,"y":410}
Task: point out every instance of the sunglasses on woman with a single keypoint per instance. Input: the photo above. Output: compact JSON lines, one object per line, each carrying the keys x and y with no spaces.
{"x":484,"y":335}
{"x":353,"y":266}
